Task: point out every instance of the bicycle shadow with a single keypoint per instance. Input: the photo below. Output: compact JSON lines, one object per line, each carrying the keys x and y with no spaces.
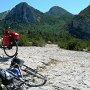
{"x":4,"y":59}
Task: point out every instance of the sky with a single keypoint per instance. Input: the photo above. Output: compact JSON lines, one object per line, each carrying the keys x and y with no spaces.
{"x":73,"y":6}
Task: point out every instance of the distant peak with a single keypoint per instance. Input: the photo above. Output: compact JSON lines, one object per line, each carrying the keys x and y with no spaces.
{"x":59,"y":10}
{"x":23,"y":3}
{"x":56,"y":7}
{"x":23,"y":13}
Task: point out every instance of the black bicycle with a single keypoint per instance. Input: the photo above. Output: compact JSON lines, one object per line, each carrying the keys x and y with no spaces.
{"x":10,"y":43}
{"x":20,"y":76}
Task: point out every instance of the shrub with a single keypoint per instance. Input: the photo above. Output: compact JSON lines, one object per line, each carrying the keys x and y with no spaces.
{"x":24,"y":41}
{"x":40,"y":42}
{"x":62,"y":44}
{"x":74,"y":44}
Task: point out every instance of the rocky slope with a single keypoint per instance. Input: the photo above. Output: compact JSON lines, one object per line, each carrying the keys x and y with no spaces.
{"x":81,"y":24}
{"x":65,"y":70}
{"x":3,"y":14}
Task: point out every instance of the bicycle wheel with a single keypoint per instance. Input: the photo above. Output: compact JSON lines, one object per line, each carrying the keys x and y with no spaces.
{"x":34,"y":79}
{"x":11,"y":51}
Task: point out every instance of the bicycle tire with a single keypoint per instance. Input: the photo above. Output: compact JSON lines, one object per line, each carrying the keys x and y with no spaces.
{"x":11,"y":54}
{"x":32,"y":73}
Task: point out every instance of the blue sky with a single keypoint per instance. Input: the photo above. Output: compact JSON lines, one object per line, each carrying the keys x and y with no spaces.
{"x":73,"y":6}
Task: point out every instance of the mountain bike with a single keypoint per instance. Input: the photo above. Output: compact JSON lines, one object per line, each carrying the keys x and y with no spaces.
{"x":10,"y":43}
{"x":19,"y":76}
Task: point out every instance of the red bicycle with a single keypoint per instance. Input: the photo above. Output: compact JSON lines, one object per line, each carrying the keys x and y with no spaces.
{"x":10,"y":43}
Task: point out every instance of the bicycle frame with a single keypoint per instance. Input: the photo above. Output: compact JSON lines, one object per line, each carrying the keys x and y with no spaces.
{"x":15,"y":72}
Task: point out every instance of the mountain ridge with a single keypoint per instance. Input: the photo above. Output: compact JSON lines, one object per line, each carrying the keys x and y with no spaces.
{"x":56,"y":9}
{"x":32,"y":13}
{"x":60,"y":13}
{"x":23,"y":12}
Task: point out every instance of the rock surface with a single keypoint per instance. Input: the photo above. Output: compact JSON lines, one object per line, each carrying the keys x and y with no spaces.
{"x":80,"y":25}
{"x":65,"y":70}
